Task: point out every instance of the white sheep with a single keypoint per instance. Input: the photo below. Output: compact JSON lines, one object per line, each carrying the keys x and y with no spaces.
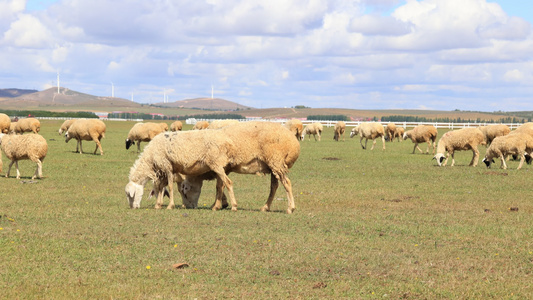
{"x":462,"y":139}
{"x":27,"y":125}
{"x":314,"y":128}
{"x":296,"y":127}
{"x":217,"y":124}
{"x":20,"y":147}
{"x":86,"y":130}
{"x":5,"y":123}
{"x":144,"y":132}
{"x":491,"y":132}
{"x":369,"y":130}
{"x":398,"y":133}
{"x":519,"y":144}
{"x":65,"y":126}
{"x":246,"y":148}
{"x":176,"y":126}
{"x":340,"y":128}
{"x":201,"y":125}
{"x":390,"y":130}
{"x":422,"y":134}
{"x":524,"y":128}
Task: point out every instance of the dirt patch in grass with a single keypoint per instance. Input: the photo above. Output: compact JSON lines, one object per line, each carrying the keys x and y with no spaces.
{"x":401,"y":199}
{"x":496,"y":173}
{"x":331,"y":158}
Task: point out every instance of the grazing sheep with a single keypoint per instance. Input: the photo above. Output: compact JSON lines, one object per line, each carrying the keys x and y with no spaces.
{"x":27,"y":125}
{"x":491,"y":132}
{"x":12,"y":128}
{"x":201,"y":125}
{"x":65,"y":126}
{"x":86,"y":130}
{"x":519,"y":144}
{"x":340,"y":128}
{"x":390,"y":130}
{"x":5,"y":123}
{"x":371,"y":131}
{"x":176,"y":126}
{"x":524,"y":128}
{"x":422,"y":134}
{"x":217,"y":124}
{"x":19,"y":147}
{"x":296,"y":127}
{"x":398,"y":133}
{"x":462,"y":139}
{"x":246,"y":148}
{"x":144,"y":132}
{"x":314,"y":129}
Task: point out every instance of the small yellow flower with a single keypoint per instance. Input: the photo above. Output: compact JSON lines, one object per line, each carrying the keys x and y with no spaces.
{"x":148,"y":267}
{"x":3,"y":229}
{"x":18,"y":229}
{"x":176,"y":246}
{"x":416,"y":245}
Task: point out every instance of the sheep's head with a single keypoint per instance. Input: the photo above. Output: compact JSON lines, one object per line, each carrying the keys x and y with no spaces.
{"x":129,"y":143}
{"x":134,"y":193}
{"x":354,"y":132}
{"x":440,"y":158}
{"x":405,"y":136}
{"x":67,"y":137}
{"x":528,"y":158}
{"x":190,"y":192}
{"x":488,"y":162}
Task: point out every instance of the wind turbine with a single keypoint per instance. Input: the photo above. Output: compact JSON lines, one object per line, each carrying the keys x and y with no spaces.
{"x":112,"y":90}
{"x":58,"y":81}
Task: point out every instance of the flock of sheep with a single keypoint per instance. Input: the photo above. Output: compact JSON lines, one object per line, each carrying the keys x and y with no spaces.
{"x":190,"y":157}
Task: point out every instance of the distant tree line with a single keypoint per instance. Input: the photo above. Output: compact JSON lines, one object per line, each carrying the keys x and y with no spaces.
{"x":48,"y":114}
{"x":327,"y":118}
{"x":452,"y":120}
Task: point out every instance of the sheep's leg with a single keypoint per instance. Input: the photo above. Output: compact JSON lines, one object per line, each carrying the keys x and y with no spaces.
{"x":170,"y":181}
{"x":274,"y":183}
{"x":522,"y":159}
{"x":220,"y":201}
{"x":139,"y":146}
{"x":290,"y":198}
{"x":98,"y":145}
{"x":38,"y":170}
{"x":361,"y":142}
{"x":383,"y":140}
{"x":373,"y":144}
{"x":81,"y":150}
{"x":319,"y":136}
{"x":9,"y":169}
{"x":17,"y":167}
{"x":475,"y":158}
{"x":446,"y":159}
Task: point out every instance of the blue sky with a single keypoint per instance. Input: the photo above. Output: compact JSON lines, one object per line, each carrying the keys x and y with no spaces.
{"x":361,"y":54}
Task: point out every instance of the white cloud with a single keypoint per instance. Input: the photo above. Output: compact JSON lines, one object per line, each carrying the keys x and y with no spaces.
{"x":28,"y":32}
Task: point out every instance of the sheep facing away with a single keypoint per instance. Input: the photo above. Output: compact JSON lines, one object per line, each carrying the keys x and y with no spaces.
{"x":390,"y":130}
{"x":86,"y":130}
{"x":369,"y":130}
{"x":5,"y":123}
{"x":315,"y":129}
{"x":296,"y":127}
{"x":20,"y":147}
{"x":340,"y":128}
{"x":462,"y":139}
{"x":144,"y":132}
{"x":27,"y":125}
{"x":65,"y":126}
{"x":176,"y":126}
{"x":246,"y":148}
{"x":422,"y":134}
{"x":519,"y":144}
{"x":491,"y":132}
{"x":200,"y":125}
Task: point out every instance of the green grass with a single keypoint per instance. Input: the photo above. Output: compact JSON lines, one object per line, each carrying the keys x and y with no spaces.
{"x":368,"y":224}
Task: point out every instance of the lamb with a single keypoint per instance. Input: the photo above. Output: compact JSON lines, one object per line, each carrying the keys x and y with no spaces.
{"x":5,"y":123}
{"x":340,"y":128}
{"x":399,"y":133}
{"x":27,"y":125}
{"x":491,"y":132}
{"x":422,"y":134}
{"x":19,"y":147}
{"x":65,"y":126}
{"x":314,"y":129}
{"x":296,"y":127}
{"x":144,"y":132}
{"x":217,"y":124}
{"x":176,"y":126}
{"x":201,"y":125}
{"x":369,"y":130}
{"x":462,"y":139}
{"x":246,"y":148}
{"x":86,"y":130}
{"x":519,"y":144}
{"x":390,"y":130}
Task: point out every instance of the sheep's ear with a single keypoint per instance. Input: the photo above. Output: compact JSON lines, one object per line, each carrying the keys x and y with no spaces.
{"x":130,"y":190}
{"x":441,"y":158}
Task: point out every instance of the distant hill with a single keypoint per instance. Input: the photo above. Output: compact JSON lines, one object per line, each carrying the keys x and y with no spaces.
{"x":205,"y":103}
{"x":11,"y":93}
{"x":50,"y":98}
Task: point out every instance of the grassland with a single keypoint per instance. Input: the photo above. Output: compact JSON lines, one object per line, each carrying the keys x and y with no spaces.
{"x":368,"y":225}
